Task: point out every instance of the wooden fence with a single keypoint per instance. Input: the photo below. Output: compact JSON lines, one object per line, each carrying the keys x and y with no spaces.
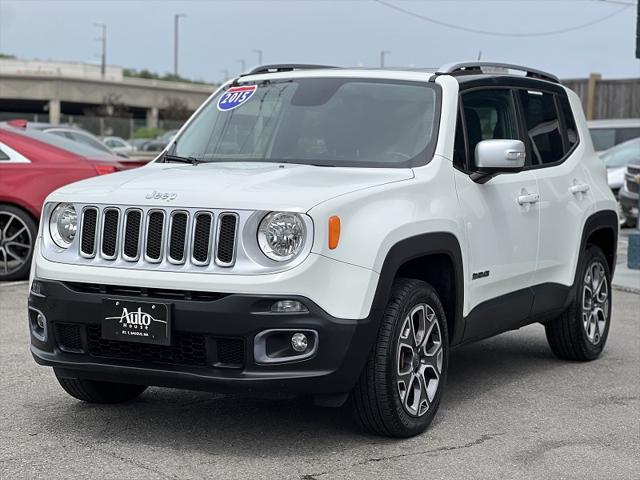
{"x":607,"y":98}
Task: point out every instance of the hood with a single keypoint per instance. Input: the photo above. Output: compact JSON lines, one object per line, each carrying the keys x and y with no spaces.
{"x":251,"y":186}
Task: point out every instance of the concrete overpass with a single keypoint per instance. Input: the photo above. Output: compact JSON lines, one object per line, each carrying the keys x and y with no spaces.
{"x":69,"y":88}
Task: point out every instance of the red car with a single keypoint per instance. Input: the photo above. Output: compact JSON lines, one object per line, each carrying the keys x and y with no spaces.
{"x":32,"y":165}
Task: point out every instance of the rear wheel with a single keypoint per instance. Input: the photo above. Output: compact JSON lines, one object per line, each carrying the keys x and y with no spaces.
{"x":17,"y":235}
{"x":400,"y":388}
{"x":580,"y":333}
{"x":92,"y":391}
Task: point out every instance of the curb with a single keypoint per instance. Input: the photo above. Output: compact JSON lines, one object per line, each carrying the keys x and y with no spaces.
{"x":13,"y":284}
{"x":622,"y":288}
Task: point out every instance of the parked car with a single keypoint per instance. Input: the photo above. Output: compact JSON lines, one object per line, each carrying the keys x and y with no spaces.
{"x":333,"y":232}
{"x":32,"y":165}
{"x":609,"y":133}
{"x":77,"y":135}
{"x":629,"y":195}
{"x":617,"y":158}
{"x":159,"y":143}
{"x":138,"y":143}
{"x":118,"y":145}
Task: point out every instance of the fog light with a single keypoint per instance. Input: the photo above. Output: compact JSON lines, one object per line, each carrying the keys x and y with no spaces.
{"x":288,"y":306}
{"x":40,"y":321}
{"x":36,"y":288}
{"x":299,"y":342}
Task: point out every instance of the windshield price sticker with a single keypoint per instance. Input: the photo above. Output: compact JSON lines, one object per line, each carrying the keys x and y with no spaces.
{"x":235,"y":96}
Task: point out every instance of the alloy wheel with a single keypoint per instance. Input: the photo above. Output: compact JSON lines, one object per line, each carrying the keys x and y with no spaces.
{"x":595,"y":302}
{"x":419,"y":360}
{"x":15,"y":243}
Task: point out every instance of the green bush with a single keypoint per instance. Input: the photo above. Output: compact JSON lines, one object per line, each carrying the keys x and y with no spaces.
{"x":146,"y":132}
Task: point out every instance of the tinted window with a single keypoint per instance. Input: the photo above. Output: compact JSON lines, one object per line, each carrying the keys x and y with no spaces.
{"x":489,"y":114}
{"x":115,"y":143}
{"x":543,"y":127}
{"x":3,"y":156}
{"x":569,"y":122}
{"x":324,"y":121}
{"x":87,"y":140}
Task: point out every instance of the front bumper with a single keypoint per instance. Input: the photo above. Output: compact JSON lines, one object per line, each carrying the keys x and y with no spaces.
{"x":204,"y":324}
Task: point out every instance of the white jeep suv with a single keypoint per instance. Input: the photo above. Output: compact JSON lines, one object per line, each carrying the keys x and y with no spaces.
{"x":332,"y":232}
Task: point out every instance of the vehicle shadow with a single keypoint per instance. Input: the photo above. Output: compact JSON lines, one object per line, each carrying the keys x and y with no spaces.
{"x":254,"y":426}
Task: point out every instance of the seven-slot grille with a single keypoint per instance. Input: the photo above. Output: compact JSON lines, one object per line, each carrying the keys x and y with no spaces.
{"x":157,"y":235}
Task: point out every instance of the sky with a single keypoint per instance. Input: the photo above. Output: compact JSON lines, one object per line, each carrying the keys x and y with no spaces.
{"x":215,"y":35}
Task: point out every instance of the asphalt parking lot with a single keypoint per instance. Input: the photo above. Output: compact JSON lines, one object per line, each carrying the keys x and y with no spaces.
{"x":510,"y":410}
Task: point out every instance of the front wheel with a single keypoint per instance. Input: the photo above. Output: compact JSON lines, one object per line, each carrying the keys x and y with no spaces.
{"x":580,"y":332}
{"x":400,"y":388}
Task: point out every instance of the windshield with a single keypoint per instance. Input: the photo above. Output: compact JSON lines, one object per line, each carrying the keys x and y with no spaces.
{"x":319,"y":121}
{"x":623,"y":154}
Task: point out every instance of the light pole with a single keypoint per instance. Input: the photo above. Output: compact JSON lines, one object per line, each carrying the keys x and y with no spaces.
{"x":225,"y":72}
{"x":103,"y":55}
{"x":243,"y":65}
{"x":176,"y":17}
{"x":382,"y":54}
{"x":259,"y":52}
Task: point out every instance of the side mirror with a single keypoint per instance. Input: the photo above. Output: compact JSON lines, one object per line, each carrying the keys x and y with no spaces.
{"x":498,"y":156}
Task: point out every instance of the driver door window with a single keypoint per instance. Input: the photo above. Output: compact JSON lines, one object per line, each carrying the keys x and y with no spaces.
{"x":488,"y":114}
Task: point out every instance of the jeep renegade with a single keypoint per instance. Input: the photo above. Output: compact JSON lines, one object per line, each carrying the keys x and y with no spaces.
{"x":332,"y":232}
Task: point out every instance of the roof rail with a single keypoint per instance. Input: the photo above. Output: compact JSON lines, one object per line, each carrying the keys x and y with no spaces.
{"x":475,"y":67}
{"x":285,"y":67}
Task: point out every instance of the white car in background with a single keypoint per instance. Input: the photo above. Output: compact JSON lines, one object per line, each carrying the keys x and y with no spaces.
{"x":617,"y":158}
{"x":118,"y":145}
{"x":609,"y":133}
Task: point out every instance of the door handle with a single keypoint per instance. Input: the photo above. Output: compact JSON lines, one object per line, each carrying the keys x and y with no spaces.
{"x":579,"y":188}
{"x":528,"y":198}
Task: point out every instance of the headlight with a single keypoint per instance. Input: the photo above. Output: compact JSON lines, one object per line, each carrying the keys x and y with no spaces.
{"x":63,"y":224}
{"x":281,"y":235}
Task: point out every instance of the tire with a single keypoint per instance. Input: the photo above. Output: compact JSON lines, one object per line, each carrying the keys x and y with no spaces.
{"x":92,"y":391}
{"x":630,"y":222}
{"x":378,"y":403}
{"x":18,"y":232}
{"x":580,"y":332}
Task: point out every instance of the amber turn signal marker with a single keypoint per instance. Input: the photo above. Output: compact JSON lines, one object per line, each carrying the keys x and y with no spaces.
{"x":334,"y":232}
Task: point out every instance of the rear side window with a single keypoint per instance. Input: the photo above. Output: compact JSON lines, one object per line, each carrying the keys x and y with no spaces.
{"x":569,"y":122}
{"x":87,"y":140}
{"x":3,"y":156}
{"x":543,"y":127}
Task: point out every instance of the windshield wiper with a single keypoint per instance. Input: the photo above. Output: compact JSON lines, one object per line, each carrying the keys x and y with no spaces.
{"x":166,"y":158}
